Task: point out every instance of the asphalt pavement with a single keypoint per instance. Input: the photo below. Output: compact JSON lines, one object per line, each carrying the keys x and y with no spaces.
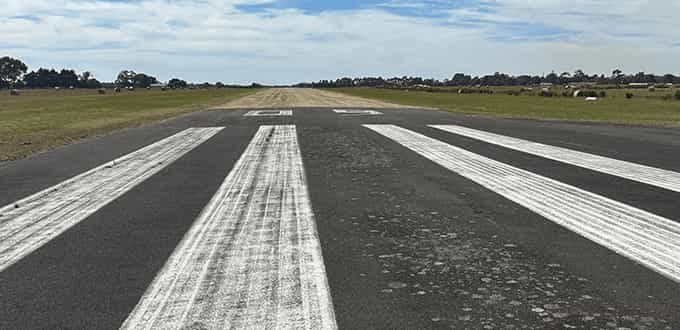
{"x":405,"y":241}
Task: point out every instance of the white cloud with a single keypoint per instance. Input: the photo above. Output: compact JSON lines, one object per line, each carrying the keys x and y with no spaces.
{"x":212,"y":40}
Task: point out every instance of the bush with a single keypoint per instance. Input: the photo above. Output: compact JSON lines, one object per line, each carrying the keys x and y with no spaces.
{"x":588,"y":94}
{"x":677,"y":95}
{"x":629,"y":95}
{"x":603,"y":94}
{"x":546,"y":94}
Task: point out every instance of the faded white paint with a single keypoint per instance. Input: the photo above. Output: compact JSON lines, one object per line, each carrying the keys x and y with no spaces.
{"x":357,"y":112}
{"x":646,"y":174}
{"x":269,"y":113}
{"x":644,"y":237}
{"x":252,"y":259}
{"x":35,"y":220}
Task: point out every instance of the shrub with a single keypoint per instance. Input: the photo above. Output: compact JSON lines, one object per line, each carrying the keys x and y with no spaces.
{"x":677,"y":95}
{"x":588,"y":94}
{"x":603,"y":94}
{"x":629,"y":95}
{"x":546,"y":94}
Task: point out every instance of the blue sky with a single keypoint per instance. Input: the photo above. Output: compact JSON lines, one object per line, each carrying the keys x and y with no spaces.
{"x":287,"y":41}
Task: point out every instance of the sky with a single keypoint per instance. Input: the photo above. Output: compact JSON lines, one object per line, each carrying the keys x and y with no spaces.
{"x":289,"y":41}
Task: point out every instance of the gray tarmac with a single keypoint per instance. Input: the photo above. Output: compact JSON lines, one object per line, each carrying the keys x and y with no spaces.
{"x":407,"y":244}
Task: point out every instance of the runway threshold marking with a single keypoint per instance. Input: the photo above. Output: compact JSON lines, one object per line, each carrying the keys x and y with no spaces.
{"x":269,"y":113}
{"x":357,"y":112}
{"x":30,"y":223}
{"x":644,"y":237}
{"x":252,"y":259}
{"x":641,"y":173}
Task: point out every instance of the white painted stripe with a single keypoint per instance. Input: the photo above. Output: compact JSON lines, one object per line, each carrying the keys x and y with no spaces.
{"x":33,"y":221}
{"x":357,"y":112}
{"x":252,"y":259}
{"x":646,"y":174}
{"x":644,"y":237}
{"x":268,"y":113}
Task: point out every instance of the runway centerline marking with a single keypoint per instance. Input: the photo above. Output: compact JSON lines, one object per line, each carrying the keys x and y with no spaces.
{"x":31,"y":222}
{"x":252,"y":259}
{"x":269,"y":113}
{"x":641,"y":173}
{"x":644,"y":237}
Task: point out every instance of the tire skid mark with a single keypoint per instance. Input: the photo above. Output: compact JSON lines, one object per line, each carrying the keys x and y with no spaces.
{"x":33,"y":221}
{"x":632,"y":171}
{"x":252,"y":259}
{"x":644,"y":237}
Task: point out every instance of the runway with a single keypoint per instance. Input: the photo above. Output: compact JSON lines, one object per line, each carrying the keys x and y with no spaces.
{"x":349,"y":218}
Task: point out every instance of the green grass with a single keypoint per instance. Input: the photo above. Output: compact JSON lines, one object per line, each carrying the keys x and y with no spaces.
{"x":39,"y":120}
{"x":647,"y":108}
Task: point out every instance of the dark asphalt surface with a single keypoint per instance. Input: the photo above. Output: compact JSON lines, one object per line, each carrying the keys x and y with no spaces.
{"x":407,"y":244}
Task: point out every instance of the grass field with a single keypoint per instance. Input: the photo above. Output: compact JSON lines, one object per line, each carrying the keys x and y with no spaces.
{"x":647,"y":108}
{"x":39,"y":120}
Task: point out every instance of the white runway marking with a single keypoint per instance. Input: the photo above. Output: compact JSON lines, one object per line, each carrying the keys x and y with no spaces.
{"x":269,"y":113}
{"x":35,"y":220}
{"x":252,"y":259}
{"x":646,"y":238}
{"x":357,"y":112}
{"x":646,"y":174}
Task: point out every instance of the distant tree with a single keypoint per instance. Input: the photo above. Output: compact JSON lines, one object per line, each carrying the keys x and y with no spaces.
{"x":87,"y":80}
{"x":668,"y":79}
{"x":565,"y":77}
{"x":142,"y":80}
{"x":175,"y":83}
{"x":460,"y":79}
{"x":344,"y":82}
{"x":85,"y":76}
{"x":11,"y":71}
{"x":552,"y":78}
{"x":580,"y":76}
{"x":67,"y":78}
{"x":126,"y":78}
{"x":43,"y":78}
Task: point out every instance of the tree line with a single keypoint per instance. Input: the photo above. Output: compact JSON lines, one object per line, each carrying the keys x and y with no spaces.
{"x":617,"y":77}
{"x":14,"y":74}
